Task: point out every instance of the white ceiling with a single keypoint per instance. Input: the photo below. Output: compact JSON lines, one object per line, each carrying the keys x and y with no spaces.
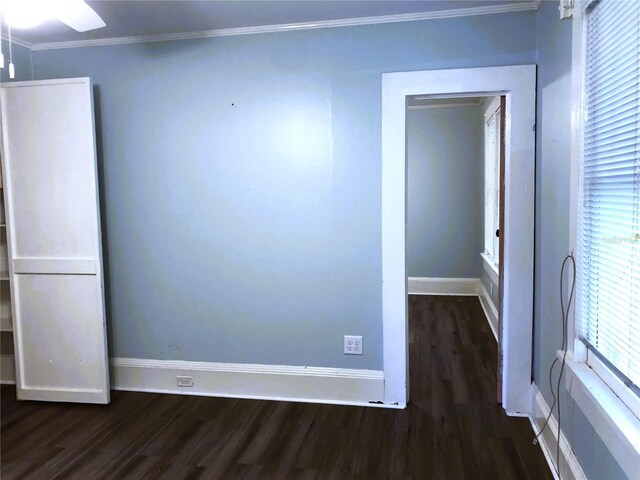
{"x":153,"y":18}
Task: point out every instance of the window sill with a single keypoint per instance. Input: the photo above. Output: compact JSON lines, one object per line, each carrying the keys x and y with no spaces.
{"x":491,"y":268}
{"x":615,"y":423}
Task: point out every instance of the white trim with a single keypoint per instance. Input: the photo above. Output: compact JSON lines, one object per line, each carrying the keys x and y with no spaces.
{"x":55,"y":81}
{"x":443,"y":286}
{"x":570,"y":468}
{"x":608,"y":405}
{"x":490,"y":310}
{"x":443,"y":105}
{"x":62,"y":395}
{"x":17,"y":41}
{"x":452,"y":104}
{"x":576,"y":347}
{"x":518,"y":84}
{"x":623,"y":392}
{"x":490,"y":109}
{"x":347,"y":22}
{"x":492,"y":130}
{"x":272,"y":382}
{"x":491,"y":268}
{"x":617,"y":426}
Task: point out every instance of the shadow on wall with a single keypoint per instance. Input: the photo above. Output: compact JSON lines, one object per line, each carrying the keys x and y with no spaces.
{"x":97,"y":109}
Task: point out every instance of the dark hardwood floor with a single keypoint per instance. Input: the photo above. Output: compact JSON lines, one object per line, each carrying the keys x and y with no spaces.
{"x":452,"y":428}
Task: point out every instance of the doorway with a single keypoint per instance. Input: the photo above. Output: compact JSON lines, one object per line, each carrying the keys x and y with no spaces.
{"x":454,"y":152}
{"x":517,"y":84}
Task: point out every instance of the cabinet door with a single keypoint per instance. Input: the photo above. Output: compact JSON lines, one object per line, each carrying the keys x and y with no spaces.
{"x":54,"y":240}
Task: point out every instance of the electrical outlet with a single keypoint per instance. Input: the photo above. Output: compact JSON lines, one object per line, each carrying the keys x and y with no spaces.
{"x":352,"y":345}
{"x":185,"y":381}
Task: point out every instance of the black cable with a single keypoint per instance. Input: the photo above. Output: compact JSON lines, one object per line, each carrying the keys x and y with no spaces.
{"x":556,"y":394}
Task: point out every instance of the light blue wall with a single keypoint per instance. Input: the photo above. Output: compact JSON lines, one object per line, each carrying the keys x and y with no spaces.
{"x":445,"y":162}
{"x":552,"y":230}
{"x":242,"y":178}
{"x":241,"y":187}
{"x":21,"y":62}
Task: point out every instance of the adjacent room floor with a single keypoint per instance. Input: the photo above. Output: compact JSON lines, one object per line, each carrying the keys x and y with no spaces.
{"x":452,"y":429}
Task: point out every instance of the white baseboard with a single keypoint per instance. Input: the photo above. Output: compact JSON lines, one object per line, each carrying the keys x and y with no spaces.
{"x":443,"y":286}
{"x":490,"y":268}
{"x":570,"y":468}
{"x":490,"y":310}
{"x":7,"y":369}
{"x":270,"y":382}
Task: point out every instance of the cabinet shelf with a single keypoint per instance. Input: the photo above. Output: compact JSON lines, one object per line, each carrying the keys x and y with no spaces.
{"x":7,"y":359}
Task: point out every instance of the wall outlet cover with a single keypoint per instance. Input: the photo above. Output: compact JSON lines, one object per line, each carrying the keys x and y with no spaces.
{"x":185,"y":381}
{"x":352,"y":345}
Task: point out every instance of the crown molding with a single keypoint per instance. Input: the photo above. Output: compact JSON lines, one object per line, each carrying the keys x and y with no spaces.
{"x":348,"y":22}
{"x":16,"y":41}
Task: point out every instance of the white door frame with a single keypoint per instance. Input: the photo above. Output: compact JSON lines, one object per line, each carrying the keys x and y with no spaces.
{"x":518,"y":84}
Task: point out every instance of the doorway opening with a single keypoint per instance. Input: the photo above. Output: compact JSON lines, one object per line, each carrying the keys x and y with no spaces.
{"x":455,"y":157}
{"x":517,"y":85}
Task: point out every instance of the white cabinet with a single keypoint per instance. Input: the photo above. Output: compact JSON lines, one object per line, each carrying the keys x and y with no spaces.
{"x":54,"y":241}
{"x":7,"y":369}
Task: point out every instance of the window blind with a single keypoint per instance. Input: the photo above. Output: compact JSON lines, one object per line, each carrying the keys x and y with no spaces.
{"x":608,"y":242}
{"x":496,"y":186}
{"x":491,"y":182}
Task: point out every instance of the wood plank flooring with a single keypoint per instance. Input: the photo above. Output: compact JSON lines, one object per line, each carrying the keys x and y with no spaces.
{"x":453,"y":428}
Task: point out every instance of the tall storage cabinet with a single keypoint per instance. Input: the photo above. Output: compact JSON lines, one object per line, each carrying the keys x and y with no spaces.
{"x":7,"y":365}
{"x":53,"y":247}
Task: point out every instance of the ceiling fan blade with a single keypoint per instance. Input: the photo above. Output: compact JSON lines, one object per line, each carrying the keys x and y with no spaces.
{"x":78,"y":15}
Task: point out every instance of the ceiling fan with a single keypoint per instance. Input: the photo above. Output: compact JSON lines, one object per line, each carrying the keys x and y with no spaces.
{"x":76,"y":14}
{"x":22,"y":14}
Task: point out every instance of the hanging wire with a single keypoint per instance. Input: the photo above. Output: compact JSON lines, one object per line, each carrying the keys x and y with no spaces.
{"x":565,"y":344}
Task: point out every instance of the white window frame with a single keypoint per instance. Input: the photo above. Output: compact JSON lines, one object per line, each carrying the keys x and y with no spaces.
{"x":611,"y":407}
{"x":490,"y":255}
